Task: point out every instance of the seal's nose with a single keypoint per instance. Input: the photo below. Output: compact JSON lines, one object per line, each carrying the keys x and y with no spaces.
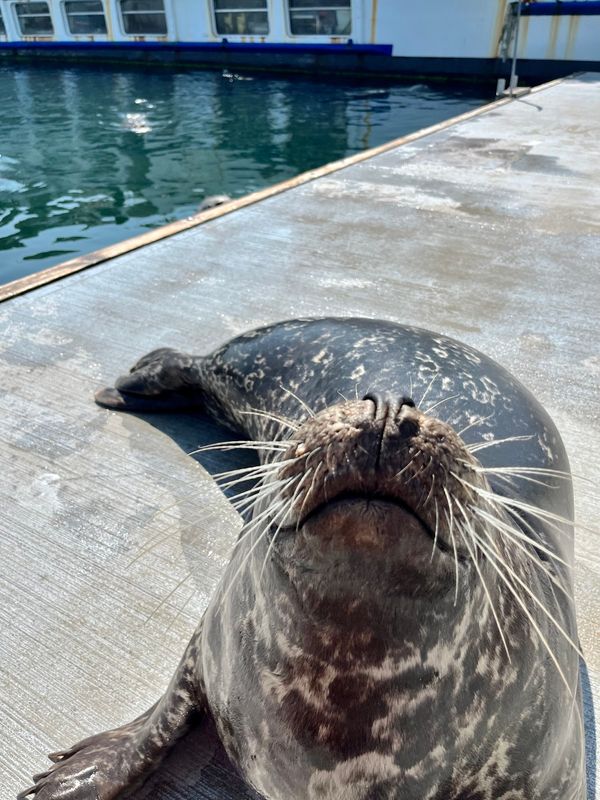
{"x":388,"y":406}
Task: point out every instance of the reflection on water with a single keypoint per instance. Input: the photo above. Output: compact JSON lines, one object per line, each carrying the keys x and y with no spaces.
{"x":91,"y":156}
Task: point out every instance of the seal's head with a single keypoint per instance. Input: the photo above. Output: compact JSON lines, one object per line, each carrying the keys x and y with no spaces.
{"x":376,"y":491}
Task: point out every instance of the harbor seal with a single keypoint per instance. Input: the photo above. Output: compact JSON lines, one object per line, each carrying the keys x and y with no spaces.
{"x":396,"y":621}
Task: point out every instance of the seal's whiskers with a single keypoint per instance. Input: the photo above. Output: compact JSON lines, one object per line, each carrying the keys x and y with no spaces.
{"x":242,"y":501}
{"x":256,"y":469}
{"x":250,"y":473}
{"x":521,"y":520}
{"x":450,"y":518}
{"x":254,"y":495}
{"x":427,"y":390}
{"x":515,"y":576}
{"x":513,"y":534}
{"x":404,"y":468}
{"x":431,"y":488}
{"x":512,"y":478}
{"x":437,"y":530}
{"x":155,"y":541}
{"x":475,"y":448}
{"x":239,"y":498}
{"x":242,"y":444}
{"x":309,"y":492}
{"x":492,"y":560}
{"x":508,"y":502}
{"x":520,"y":539}
{"x":539,"y":471}
{"x":167,"y":597}
{"x":290,"y":505}
{"x":269,"y":415}
{"x":180,"y":610}
{"x":425,"y":467}
{"x":304,"y":405}
{"x":474,"y":424}
{"x":439,"y":403}
{"x":472,"y":548}
{"x":246,"y":474}
{"x":256,"y":521}
{"x":551,"y":473}
{"x":262,"y":491}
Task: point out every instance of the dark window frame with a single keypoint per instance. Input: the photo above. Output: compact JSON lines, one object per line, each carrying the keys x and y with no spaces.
{"x":69,"y":14}
{"x":219,"y":13}
{"x":23,"y":15}
{"x":124,"y":15}
{"x":311,"y":9}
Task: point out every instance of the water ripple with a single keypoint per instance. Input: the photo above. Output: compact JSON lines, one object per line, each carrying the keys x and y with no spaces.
{"x":91,"y":156}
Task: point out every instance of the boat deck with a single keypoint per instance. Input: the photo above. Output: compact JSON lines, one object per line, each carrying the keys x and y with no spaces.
{"x":112,"y":538}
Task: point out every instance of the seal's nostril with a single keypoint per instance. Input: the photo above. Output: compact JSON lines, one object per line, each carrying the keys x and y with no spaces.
{"x":382,"y":402}
{"x":408,"y":427}
{"x":371,"y":396}
{"x":387,"y":405}
{"x":408,"y":418}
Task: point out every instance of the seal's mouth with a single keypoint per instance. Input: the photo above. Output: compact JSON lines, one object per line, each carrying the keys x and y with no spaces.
{"x":352,"y":497}
{"x":392,"y":519}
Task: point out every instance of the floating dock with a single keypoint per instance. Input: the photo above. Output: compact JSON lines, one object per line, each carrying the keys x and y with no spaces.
{"x":112,"y":538}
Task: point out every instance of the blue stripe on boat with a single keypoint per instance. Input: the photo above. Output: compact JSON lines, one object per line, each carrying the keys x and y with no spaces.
{"x":560,"y":8}
{"x":247,"y":47}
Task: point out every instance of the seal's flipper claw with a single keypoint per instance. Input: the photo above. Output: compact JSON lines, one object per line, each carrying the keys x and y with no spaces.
{"x":41,"y":775}
{"x":104,"y":766}
{"x":110,"y":398}
{"x":60,"y":755}
{"x":110,"y":765}
{"x":26,"y":792}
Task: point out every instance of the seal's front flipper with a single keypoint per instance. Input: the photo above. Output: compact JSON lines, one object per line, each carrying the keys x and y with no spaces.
{"x":163,"y":380}
{"x":110,"y":765}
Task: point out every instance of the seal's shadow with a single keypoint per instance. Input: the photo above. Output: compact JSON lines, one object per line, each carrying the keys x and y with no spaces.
{"x":198,"y":768}
{"x":589,"y":721}
{"x":193,"y":430}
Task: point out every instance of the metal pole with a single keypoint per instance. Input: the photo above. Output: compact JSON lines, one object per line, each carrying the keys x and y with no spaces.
{"x":513,"y":70}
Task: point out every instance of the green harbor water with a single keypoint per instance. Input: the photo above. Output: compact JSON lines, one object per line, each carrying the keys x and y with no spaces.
{"x":93,"y":155}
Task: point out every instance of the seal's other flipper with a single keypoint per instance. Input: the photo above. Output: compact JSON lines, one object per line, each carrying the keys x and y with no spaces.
{"x":163,"y":380}
{"x":110,"y":765}
{"x":125,"y":401}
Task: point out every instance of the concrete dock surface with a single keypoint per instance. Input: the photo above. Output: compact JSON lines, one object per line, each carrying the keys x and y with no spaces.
{"x":112,"y":538}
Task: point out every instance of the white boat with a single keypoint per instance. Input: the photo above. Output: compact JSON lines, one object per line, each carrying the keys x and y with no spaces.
{"x":407,"y":37}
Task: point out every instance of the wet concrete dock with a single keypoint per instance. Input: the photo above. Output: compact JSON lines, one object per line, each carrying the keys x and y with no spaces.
{"x":112,"y":538}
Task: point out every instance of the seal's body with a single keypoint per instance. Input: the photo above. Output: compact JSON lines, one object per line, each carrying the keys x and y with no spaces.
{"x":395,"y":622}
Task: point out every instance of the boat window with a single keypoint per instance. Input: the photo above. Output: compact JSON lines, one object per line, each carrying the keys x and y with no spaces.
{"x":34,"y":19}
{"x":144,"y":16}
{"x":85,"y":16}
{"x":2,"y":28}
{"x":326,"y":18}
{"x":248,"y":17}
